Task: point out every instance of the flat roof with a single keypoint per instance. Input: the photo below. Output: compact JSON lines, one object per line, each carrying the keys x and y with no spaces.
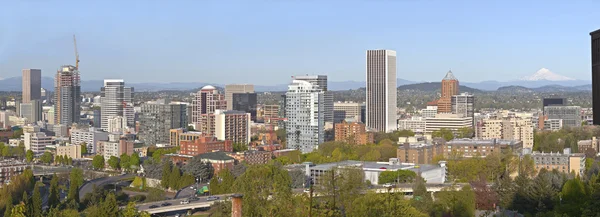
{"x":369,"y":165}
{"x":482,"y":142}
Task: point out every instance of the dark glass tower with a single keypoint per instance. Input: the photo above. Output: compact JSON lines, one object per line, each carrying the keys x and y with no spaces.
{"x":595,"y":39}
{"x":245,"y":102}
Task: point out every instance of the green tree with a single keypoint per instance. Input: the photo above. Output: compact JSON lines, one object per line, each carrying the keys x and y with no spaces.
{"x":84,"y":148}
{"x":166,"y":174}
{"x":134,"y":160}
{"x":53,"y":197}
{"x":155,"y":195}
{"x":70,"y":161}
{"x":465,"y":132}
{"x":29,"y":156}
{"x":36,"y":201}
{"x":17,"y":133}
{"x":422,"y":199}
{"x":110,"y":207}
{"x":6,"y":151}
{"x":175,"y":178}
{"x":222,"y":182}
{"x":19,"y":211}
{"x":399,"y":176}
{"x":98,"y":162}
{"x":444,"y":133}
{"x":113,"y":162}
{"x":457,"y":203}
{"x":239,"y":147}
{"x":574,"y":196}
{"x":26,"y":201}
{"x":9,"y":205}
{"x":125,"y":162}
{"x":47,"y":157}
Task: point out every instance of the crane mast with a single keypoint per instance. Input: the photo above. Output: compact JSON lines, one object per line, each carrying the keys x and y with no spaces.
{"x":76,"y":53}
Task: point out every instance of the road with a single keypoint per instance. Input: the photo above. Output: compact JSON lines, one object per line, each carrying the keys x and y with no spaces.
{"x":88,"y":187}
{"x":176,"y":203}
{"x":188,"y":192}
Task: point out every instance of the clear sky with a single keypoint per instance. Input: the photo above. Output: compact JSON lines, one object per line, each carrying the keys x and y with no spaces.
{"x":266,"y":42}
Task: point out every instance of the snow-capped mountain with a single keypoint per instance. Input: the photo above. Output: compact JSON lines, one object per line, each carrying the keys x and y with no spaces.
{"x":546,"y":74}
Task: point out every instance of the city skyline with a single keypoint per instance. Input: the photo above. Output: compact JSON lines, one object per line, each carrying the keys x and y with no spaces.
{"x":204,"y":48}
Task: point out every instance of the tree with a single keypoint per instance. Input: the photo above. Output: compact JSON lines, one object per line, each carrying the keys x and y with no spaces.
{"x":17,"y":133}
{"x":175,"y":178}
{"x":166,"y":174}
{"x":444,"y":133}
{"x":238,"y":147}
{"x":98,"y":162}
{"x":9,"y":205}
{"x":6,"y":151}
{"x":109,"y":207}
{"x":58,"y":159}
{"x":26,"y":201}
{"x":113,"y":162}
{"x":399,"y":176}
{"x":465,"y":132}
{"x":76,"y":181}
{"x":53,"y":198}
{"x":29,"y":156}
{"x":19,"y":211}
{"x":222,"y":182}
{"x":125,"y":161}
{"x":422,"y":199}
{"x":238,"y":170}
{"x":70,"y":161}
{"x":199,"y":169}
{"x":155,"y":195}
{"x":134,"y":160}
{"x":36,"y":200}
{"x":574,"y":196}
{"x":84,"y":148}
{"x":47,"y":157}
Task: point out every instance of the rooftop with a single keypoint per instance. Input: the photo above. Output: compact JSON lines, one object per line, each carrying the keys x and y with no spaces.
{"x":449,"y":77}
{"x":482,"y":142}
{"x":383,"y":166}
{"x":218,"y":155}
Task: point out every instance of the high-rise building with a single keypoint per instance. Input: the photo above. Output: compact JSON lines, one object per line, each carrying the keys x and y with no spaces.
{"x":305,"y":115}
{"x":463,"y":104}
{"x":346,"y":110}
{"x":595,"y":44}
{"x":230,"y":89}
{"x":89,"y":136}
{"x":381,"y":90}
{"x":554,"y":101}
{"x":37,"y":142}
{"x":321,"y":82}
{"x":508,"y":128}
{"x":245,"y":102}
{"x":114,"y":97}
{"x":282,"y":110}
{"x":232,"y":125}
{"x":32,"y":85}
{"x":353,"y":133}
{"x":32,"y":111}
{"x":449,"y":88}
{"x":67,"y":95}
{"x":570,"y":115}
{"x":207,"y":101}
{"x":158,"y":118}
{"x":4,"y":121}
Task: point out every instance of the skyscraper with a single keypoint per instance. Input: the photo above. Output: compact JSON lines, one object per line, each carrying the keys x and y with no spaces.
{"x":245,"y":102}
{"x":595,"y":36}
{"x":304,"y":112}
{"x":230,"y":89}
{"x":32,"y":111}
{"x":449,"y":89}
{"x":321,"y":82}
{"x":158,"y":118}
{"x":114,"y":97}
{"x":207,"y":101}
{"x":67,"y":95}
{"x":32,"y":85}
{"x":381,"y":90}
{"x":463,"y":104}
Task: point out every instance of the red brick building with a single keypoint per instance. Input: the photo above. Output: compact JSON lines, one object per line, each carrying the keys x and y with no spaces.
{"x":205,"y":144}
{"x":219,"y":160}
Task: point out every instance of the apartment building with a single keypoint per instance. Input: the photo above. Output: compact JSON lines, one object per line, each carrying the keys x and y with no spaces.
{"x":158,"y":118}
{"x":179,"y":135}
{"x":419,"y":153}
{"x":232,"y":125}
{"x":89,"y":136}
{"x":204,"y":144}
{"x":70,"y":150}
{"x":116,"y":146}
{"x":10,"y":168}
{"x":304,"y":110}
{"x":352,"y":132}
{"x":480,"y":147}
{"x":508,"y":128}
{"x":591,"y":144}
{"x":270,"y":112}
{"x":565,"y":162}
{"x":37,"y":142}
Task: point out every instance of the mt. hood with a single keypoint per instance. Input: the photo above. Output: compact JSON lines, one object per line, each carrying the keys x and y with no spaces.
{"x":546,"y":74}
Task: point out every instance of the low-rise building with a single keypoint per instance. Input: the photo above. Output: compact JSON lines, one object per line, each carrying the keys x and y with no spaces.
{"x":565,"y":162}
{"x":70,"y":150}
{"x":115,"y":146}
{"x":37,"y":142}
{"x":588,"y":145}
{"x":352,"y":132}
{"x":205,"y":144}
{"x":253,"y":157}
{"x":219,"y":160}
{"x":89,"y":136}
{"x":9,"y":169}
{"x":480,"y":147}
{"x":451,"y":122}
{"x":179,"y":135}
{"x":417,"y":151}
{"x":415,"y":124}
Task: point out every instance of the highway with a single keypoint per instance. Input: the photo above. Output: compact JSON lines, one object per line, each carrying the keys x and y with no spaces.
{"x":188,"y":192}
{"x":88,"y":187}
{"x":176,"y":205}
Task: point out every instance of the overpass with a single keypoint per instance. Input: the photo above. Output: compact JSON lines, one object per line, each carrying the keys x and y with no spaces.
{"x":89,"y":186}
{"x":39,"y":170}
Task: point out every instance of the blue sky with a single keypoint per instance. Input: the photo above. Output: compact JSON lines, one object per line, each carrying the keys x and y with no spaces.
{"x":266,"y":42}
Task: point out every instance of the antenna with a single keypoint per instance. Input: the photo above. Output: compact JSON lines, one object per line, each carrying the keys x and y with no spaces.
{"x":76,"y":53}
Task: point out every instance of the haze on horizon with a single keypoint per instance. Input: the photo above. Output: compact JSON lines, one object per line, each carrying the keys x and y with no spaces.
{"x":266,"y":42}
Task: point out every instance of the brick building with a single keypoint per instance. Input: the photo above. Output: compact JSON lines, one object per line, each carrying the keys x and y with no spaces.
{"x":205,"y":144}
{"x":352,"y":132}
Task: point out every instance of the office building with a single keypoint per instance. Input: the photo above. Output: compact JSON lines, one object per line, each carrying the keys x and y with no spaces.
{"x":449,"y":88}
{"x":205,"y":144}
{"x":207,"y":101}
{"x":158,"y":118}
{"x":245,"y":102}
{"x":554,"y":102}
{"x":381,"y":90}
{"x":463,"y":104}
{"x":115,"y":146}
{"x":321,"y":82}
{"x":353,"y":133}
{"x":595,"y":45}
{"x":231,"y":89}
{"x":429,"y":112}
{"x":72,"y":151}
{"x":553,"y":124}
{"x":565,"y":162}
{"x":114,"y":97}
{"x":232,"y":125}
{"x":67,"y":95}
{"x":37,"y":142}
{"x":270,"y":114}
{"x":32,"y":85}
{"x":4,"y":120}
{"x":509,"y":128}
{"x":415,"y":124}
{"x":97,"y":119}
{"x":305,"y":115}
{"x":451,"y":122}
{"x":31,"y":111}
{"x":570,"y":115}
{"x":346,"y":111}
{"x":117,"y":124}
{"x":282,"y":110}
{"x":89,"y":136}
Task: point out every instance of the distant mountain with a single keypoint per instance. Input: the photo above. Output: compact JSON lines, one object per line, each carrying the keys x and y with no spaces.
{"x":546,"y":74}
{"x":494,"y":85}
{"x":435,"y":87}
{"x":514,"y":89}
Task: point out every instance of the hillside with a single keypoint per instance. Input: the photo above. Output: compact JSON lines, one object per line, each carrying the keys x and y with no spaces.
{"x":434,"y":87}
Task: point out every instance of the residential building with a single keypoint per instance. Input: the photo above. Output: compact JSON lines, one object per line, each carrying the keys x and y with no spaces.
{"x":415,"y":124}
{"x":158,"y":118}
{"x":352,"y":132}
{"x":321,"y":82}
{"x":420,"y":152}
{"x":553,"y":124}
{"x":4,"y":120}
{"x":114,"y":98}
{"x":37,"y":142}
{"x":305,"y":115}
{"x":32,"y":85}
{"x":115,"y":146}
{"x":67,"y":95}
{"x":231,"y":89}
{"x":509,"y":128}
{"x":429,"y":112}
{"x":245,"y":102}
{"x":480,"y":147}
{"x":595,"y":48}
{"x":381,"y":90}
{"x":72,"y":151}
{"x":10,"y":168}
{"x":449,"y":88}
{"x":270,"y":112}
{"x":570,"y":115}
{"x":447,"y":121}
{"x":232,"y":125}
{"x":179,"y":135}
{"x":207,"y":101}
{"x":89,"y":136}
{"x":253,"y":157}
{"x":116,"y":124}
{"x":346,"y":111}
{"x":588,"y":145}
{"x":565,"y":162}
{"x":204,"y":144}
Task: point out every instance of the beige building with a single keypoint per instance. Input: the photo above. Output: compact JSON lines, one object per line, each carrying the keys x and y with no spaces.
{"x":451,"y":122}
{"x":180,"y":135}
{"x":72,"y":151}
{"x":415,"y":124}
{"x":346,"y":110}
{"x":565,"y":162}
{"x":381,"y":90}
{"x":230,"y":89}
{"x":232,"y":125}
{"x":510,"y":128}
{"x":269,"y":112}
{"x":480,"y":147}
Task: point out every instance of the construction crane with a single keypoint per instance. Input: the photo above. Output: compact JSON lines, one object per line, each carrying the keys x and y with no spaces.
{"x":76,"y":53}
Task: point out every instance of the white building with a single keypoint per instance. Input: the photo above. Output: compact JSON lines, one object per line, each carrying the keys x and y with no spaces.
{"x":381,"y":90}
{"x":451,"y":122}
{"x":233,"y":125}
{"x":429,"y":112}
{"x":415,"y":124}
{"x":346,"y":110}
{"x":511,"y":128}
{"x":117,"y":124}
{"x":37,"y":142}
{"x":115,"y":97}
{"x":4,"y":121}
{"x":89,"y":136}
{"x":304,"y":111}
{"x":321,"y":81}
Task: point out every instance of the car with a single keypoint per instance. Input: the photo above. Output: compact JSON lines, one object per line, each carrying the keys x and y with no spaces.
{"x":185,"y":201}
{"x":153,"y":206}
{"x":191,"y":187}
{"x":193,"y":199}
{"x":306,"y":190}
{"x":165,"y":204}
{"x":387,"y":185}
{"x":212,"y":198}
